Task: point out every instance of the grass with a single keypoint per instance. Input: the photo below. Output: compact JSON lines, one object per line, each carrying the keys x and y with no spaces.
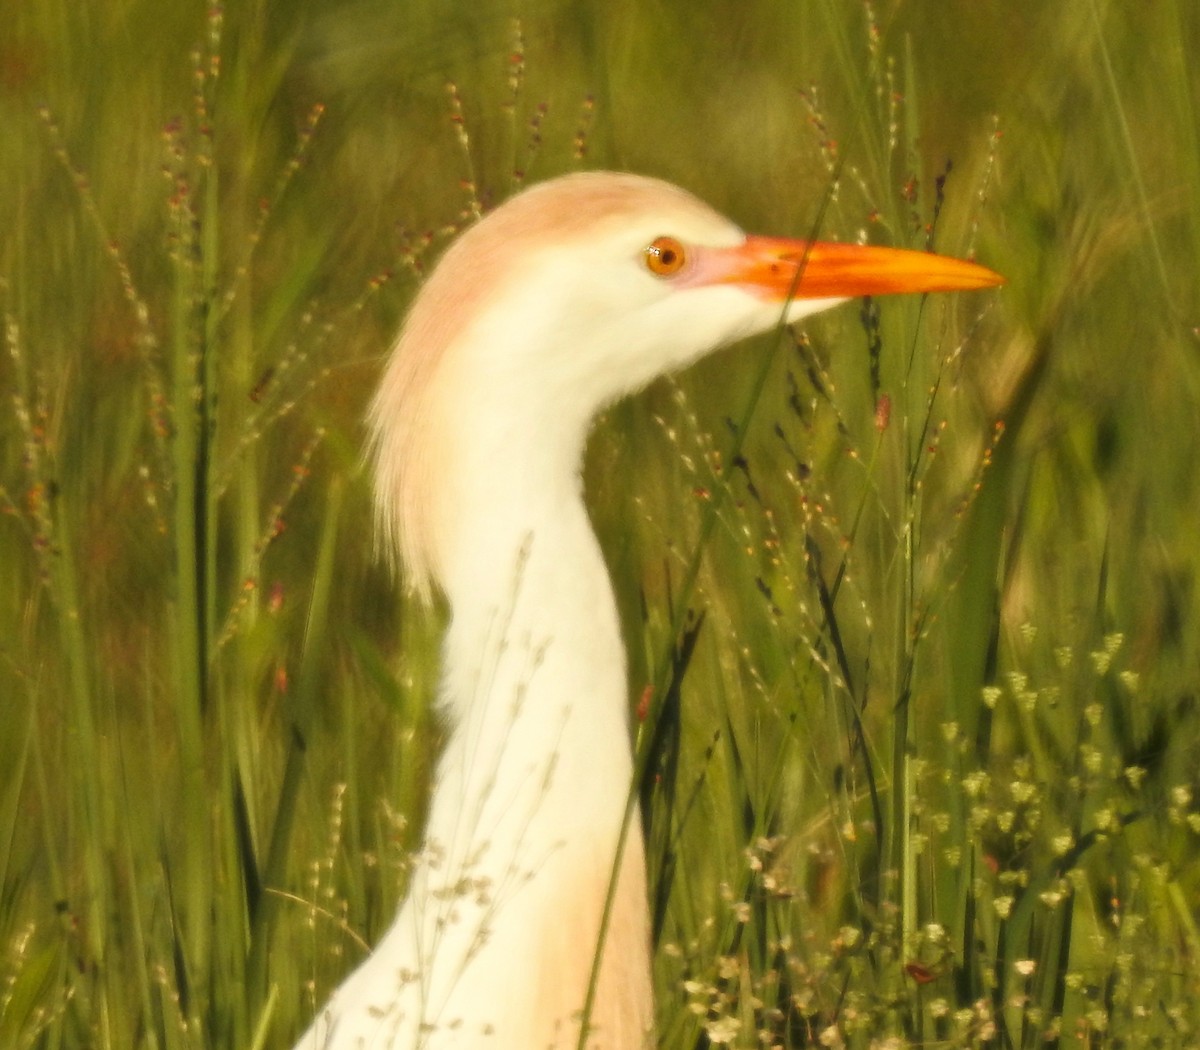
{"x":909,"y":596}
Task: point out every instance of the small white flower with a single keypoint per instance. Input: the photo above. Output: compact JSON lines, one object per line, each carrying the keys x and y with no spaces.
{"x":723,"y":1030}
{"x":831,"y":1037}
{"x":1061,"y":844}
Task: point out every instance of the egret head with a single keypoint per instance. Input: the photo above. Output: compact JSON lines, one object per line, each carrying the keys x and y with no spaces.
{"x":572,"y":294}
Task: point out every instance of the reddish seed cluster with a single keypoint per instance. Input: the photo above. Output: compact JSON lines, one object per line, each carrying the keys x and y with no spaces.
{"x":920,"y":973}
{"x":883,"y":412}
{"x":643,"y":705}
{"x":158,"y":414}
{"x":35,"y":498}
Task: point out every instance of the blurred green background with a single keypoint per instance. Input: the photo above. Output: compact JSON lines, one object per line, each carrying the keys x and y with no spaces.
{"x":929,"y":772}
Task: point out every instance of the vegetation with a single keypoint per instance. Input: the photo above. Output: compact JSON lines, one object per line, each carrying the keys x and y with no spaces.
{"x":910,"y":594}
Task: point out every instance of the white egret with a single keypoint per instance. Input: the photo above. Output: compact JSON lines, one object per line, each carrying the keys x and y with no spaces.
{"x":567,"y":297}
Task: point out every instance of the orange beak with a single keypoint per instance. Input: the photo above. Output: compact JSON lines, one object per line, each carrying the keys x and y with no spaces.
{"x":779,"y":268}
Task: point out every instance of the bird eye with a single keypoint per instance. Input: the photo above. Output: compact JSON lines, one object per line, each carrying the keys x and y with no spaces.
{"x":665,"y":256}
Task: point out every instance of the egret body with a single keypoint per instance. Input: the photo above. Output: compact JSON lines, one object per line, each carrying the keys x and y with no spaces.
{"x":565,"y":298}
